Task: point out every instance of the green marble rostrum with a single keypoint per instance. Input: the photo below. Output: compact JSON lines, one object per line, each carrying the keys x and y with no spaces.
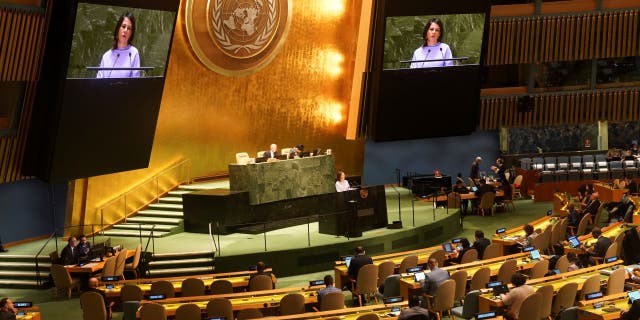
{"x":287,"y":179}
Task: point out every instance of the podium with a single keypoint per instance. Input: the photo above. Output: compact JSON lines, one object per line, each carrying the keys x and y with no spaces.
{"x":358,"y":210}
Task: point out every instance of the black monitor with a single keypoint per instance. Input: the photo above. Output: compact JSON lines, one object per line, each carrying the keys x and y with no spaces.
{"x":402,"y":71}
{"x":97,"y":103}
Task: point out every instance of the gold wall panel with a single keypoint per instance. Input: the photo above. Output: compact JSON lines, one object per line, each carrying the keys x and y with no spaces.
{"x":301,"y":97}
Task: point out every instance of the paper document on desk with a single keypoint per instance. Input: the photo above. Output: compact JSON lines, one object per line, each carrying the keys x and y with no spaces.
{"x":510,"y":238}
{"x":89,"y":265}
{"x":606,"y":272}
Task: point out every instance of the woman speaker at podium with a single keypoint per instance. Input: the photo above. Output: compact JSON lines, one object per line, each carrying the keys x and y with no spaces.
{"x":432,"y":48}
{"x":122,"y":53}
{"x":342,"y":184}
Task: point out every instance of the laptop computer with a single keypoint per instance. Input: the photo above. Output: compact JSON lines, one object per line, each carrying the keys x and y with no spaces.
{"x":419,"y":276}
{"x":498,"y":290}
{"x":574,"y":242}
{"x":633,"y":296}
{"x":447,"y":247}
{"x":474,"y":188}
{"x":535,"y":255}
{"x":347,"y":260}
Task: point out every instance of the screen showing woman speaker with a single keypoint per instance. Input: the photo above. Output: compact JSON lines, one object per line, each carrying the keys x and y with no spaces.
{"x":119,"y":42}
{"x":433,"y":41}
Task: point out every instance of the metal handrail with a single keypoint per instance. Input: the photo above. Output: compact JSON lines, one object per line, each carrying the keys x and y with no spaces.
{"x":155,"y":178}
{"x":38,"y":279}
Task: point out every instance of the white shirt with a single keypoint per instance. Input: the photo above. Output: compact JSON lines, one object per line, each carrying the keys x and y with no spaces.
{"x":342,"y":186}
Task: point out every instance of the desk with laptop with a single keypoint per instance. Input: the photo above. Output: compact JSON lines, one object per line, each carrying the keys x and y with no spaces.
{"x":598,"y":307}
{"x":490,"y":297}
{"x":341,"y":267}
{"x":410,"y":283}
{"x":25,"y":310}
{"x":112,"y":287}
{"x":94,"y":265}
{"x":264,"y":299}
{"x":511,"y":237}
{"x":578,"y":244}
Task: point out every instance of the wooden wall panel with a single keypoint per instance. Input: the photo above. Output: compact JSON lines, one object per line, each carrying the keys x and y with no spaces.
{"x":617,"y":105}
{"x":21,"y":42}
{"x":541,"y":39}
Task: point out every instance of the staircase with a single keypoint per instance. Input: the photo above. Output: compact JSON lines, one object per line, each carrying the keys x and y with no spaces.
{"x":19,"y":271}
{"x":166,"y":215}
{"x":179,"y":264}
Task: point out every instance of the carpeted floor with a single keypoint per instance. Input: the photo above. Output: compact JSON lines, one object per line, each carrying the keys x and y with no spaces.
{"x":63,"y":309}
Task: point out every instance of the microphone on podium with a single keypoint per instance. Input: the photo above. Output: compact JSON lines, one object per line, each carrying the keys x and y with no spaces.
{"x":114,"y":65}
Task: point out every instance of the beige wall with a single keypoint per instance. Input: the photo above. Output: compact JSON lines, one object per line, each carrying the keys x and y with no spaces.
{"x":302,"y":96}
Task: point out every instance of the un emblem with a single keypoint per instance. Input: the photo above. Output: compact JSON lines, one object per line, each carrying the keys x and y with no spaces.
{"x":241,"y":36}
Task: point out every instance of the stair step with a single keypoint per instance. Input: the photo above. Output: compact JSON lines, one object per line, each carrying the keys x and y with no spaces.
{"x":160,"y":213}
{"x":170,"y":256}
{"x":158,"y":273}
{"x":16,"y":273}
{"x":194,"y":187}
{"x":166,"y":206}
{"x":25,"y":265}
{"x":5,"y":256}
{"x":133,"y":233}
{"x":17,"y":283}
{"x":171,"y":200}
{"x":153,"y":220}
{"x":181,"y":261}
{"x":179,"y":192}
{"x":159,"y":227}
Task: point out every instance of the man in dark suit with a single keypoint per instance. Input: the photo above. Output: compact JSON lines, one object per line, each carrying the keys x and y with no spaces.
{"x":601,"y":246}
{"x":357,"y":262}
{"x":483,"y":188}
{"x":272,"y":152}
{"x":434,"y":278}
{"x":481,"y":243}
{"x":70,"y":253}
{"x":593,"y":205}
{"x":631,"y":185}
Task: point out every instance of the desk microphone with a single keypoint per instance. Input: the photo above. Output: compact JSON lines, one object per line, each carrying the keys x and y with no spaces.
{"x":130,"y":65}
{"x":444,"y":63}
{"x":114,"y":65}
{"x":428,"y":52}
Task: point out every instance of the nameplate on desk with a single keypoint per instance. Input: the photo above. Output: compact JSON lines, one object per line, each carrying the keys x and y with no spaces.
{"x":611,"y":259}
{"x":109,"y":279}
{"x":414,"y":269}
{"x":493,"y":284}
{"x":501,"y":230}
{"x":593,"y":295}
{"x":156,"y":297}
{"x":392,"y":300}
{"x":313,"y":283}
{"x":486,"y":315}
{"x":22,"y":304}
{"x":528,"y":249}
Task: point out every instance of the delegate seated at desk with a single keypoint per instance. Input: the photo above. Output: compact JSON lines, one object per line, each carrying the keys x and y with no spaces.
{"x":272,"y":152}
{"x":482,"y":189}
{"x":70,"y":253}
{"x":513,"y":300}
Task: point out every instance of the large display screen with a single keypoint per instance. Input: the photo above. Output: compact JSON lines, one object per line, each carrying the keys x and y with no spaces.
{"x":424,"y":73}
{"x":119,"y":42}
{"x":99,"y":94}
{"x":427,"y":41}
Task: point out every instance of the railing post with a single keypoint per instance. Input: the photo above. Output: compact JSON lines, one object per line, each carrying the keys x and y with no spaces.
{"x":157,"y":190}
{"x":125,"y":207}
{"x":264,"y":229}
{"x":102,"y":220}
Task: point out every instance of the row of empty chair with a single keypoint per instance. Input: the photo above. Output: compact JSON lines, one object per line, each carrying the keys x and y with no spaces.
{"x":585,"y":167}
